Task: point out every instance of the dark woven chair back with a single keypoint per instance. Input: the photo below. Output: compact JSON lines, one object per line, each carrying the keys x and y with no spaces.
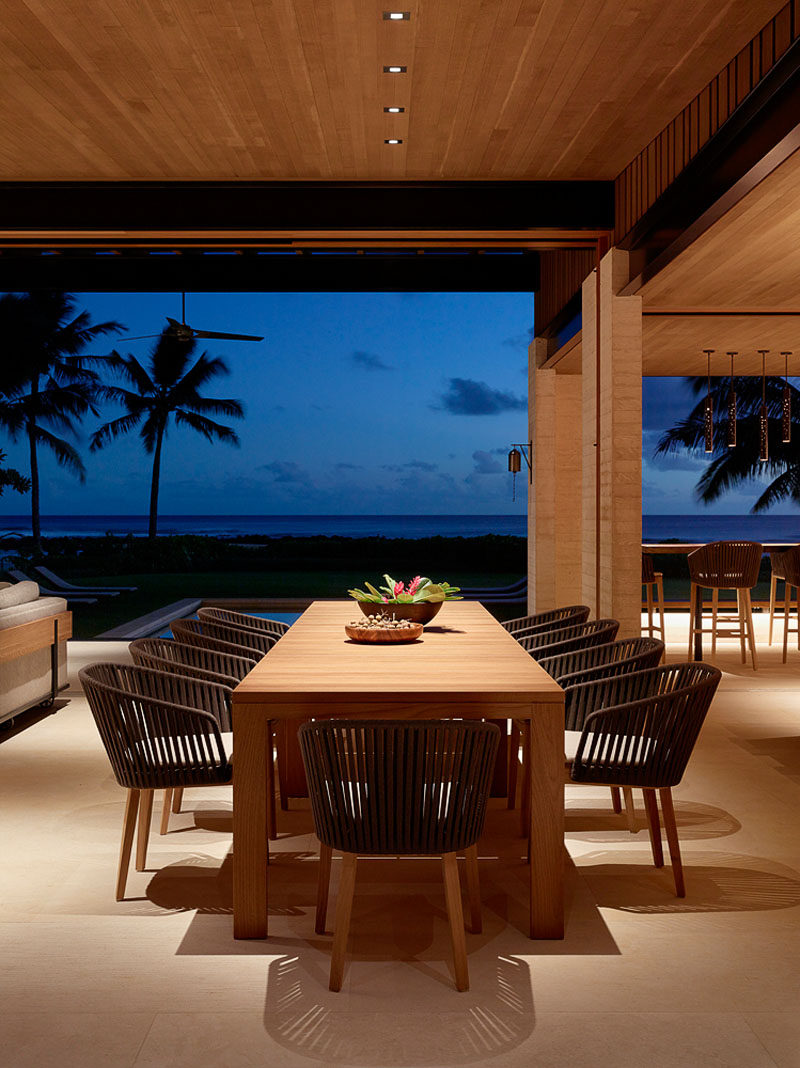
{"x":726,"y":565}
{"x":603,"y":661}
{"x":159,"y":730}
{"x":790,"y":562}
{"x":146,"y":651}
{"x":646,"y":739}
{"x":242,"y":619}
{"x":648,"y":568}
{"x":777,"y":564}
{"x":193,"y":632}
{"x":579,"y":636}
{"x":398,"y":787}
{"x":553,"y":619}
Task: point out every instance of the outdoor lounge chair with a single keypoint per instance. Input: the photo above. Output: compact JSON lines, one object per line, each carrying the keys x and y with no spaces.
{"x":71,"y":598}
{"x":516,"y":589}
{"x":62,"y":584}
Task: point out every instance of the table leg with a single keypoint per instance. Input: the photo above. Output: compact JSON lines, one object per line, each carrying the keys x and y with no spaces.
{"x":546,"y":761}
{"x":698,"y":622}
{"x":250,"y":825}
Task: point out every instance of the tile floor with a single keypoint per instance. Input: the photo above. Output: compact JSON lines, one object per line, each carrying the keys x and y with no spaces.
{"x":640,"y":979}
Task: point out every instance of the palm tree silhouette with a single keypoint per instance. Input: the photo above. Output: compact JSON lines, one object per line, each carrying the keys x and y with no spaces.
{"x":731,"y":467}
{"x":168,"y":388}
{"x":46,"y":383}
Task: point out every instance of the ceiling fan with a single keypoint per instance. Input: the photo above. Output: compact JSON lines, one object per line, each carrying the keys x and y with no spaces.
{"x":181,"y":331}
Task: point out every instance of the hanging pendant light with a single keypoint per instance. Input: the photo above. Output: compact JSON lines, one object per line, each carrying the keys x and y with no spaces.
{"x":763,"y":418}
{"x":786,"y":407}
{"x":708,"y":416}
{"x":732,"y":407}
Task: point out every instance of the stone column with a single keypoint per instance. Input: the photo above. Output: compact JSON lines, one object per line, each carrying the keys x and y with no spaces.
{"x":554,"y":503}
{"x":612,"y":447}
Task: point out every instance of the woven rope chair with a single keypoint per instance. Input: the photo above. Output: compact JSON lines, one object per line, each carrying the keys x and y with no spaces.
{"x":653,"y":582}
{"x":242,"y":619}
{"x":726,"y":565}
{"x":554,"y":619}
{"x":160,"y":731}
{"x":398,"y":788}
{"x":790,"y":564}
{"x":639,"y":730}
{"x":778,"y":574}
{"x":578,"y":636}
{"x":209,"y":636}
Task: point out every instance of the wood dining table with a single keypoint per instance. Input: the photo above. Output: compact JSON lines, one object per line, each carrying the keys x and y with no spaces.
{"x":465,"y":665}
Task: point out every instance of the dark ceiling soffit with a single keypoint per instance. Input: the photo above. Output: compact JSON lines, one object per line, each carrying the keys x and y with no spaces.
{"x":340,"y":206}
{"x":757,"y":138}
{"x":263,"y":273}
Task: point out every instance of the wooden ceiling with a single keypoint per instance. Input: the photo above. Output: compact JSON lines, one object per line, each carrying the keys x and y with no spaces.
{"x":293,"y":89}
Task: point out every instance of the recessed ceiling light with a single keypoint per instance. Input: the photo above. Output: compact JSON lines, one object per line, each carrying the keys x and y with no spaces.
{"x":397,"y":16}
{"x":394,"y":111}
{"x":393,"y":141}
{"x":395,"y":70}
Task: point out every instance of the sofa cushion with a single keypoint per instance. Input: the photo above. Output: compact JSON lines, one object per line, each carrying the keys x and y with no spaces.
{"x":4,"y":585}
{"x":24,"y":613}
{"x":19,"y":593}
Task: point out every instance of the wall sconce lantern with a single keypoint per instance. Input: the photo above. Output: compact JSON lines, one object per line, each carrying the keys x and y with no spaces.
{"x":518,"y":450}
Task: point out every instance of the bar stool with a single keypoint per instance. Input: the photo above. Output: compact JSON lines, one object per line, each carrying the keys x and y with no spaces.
{"x":778,"y":575}
{"x":726,"y":565}
{"x":650,"y":579}
{"x":790,"y":562}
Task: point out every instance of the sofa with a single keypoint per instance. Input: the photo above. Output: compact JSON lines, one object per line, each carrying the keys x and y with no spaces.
{"x":33,"y":647}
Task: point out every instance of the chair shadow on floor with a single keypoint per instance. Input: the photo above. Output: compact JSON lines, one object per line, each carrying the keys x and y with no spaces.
{"x":492,"y":1018}
{"x":715,"y":882}
{"x":783,"y":753}
{"x":595,"y":821}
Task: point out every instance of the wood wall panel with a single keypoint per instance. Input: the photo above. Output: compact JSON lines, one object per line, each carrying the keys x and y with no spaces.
{"x":561,"y":274}
{"x":294,"y":88}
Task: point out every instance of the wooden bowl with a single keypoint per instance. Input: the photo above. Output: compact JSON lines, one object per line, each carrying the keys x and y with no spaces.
{"x":371,"y":634}
{"x":423,"y":612}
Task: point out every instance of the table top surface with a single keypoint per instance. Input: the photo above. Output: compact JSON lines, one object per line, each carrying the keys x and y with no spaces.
{"x":464,"y":654}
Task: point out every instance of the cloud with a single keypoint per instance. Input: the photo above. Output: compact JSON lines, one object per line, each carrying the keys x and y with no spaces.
{"x":485,"y":463}
{"x":412,"y":465}
{"x":368,"y":361}
{"x":286,"y":471}
{"x":467,"y":397}
{"x":519,"y":340}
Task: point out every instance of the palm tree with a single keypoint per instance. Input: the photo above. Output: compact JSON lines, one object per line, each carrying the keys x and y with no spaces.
{"x":736,"y":466}
{"x":10,"y":478}
{"x":46,"y":383}
{"x":168,"y":388}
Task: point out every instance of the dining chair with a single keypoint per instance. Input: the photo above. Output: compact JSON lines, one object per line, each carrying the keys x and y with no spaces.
{"x":160,"y":731}
{"x":398,"y":788}
{"x":653,"y":582}
{"x":639,"y":730}
{"x":551,"y":619}
{"x":225,"y":639}
{"x":725,"y":565}
{"x":777,"y":574}
{"x":242,"y":619}
{"x":578,"y":636}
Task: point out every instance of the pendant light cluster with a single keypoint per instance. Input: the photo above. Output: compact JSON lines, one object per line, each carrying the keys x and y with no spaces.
{"x":394,"y":68}
{"x":763,"y":414}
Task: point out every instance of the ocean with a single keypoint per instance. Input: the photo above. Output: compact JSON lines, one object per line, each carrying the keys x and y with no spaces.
{"x":763,"y":528}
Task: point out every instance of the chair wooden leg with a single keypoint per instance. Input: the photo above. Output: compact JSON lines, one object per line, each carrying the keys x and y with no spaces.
{"x":323,"y":887}
{"x":660,"y":603}
{"x":128,"y":827}
{"x":692,"y":610}
{"x":344,"y":908}
{"x":630,"y":810}
{"x":740,"y":609}
{"x":748,"y":608}
{"x":787,"y":602}
{"x":455,"y":914}
{"x":654,"y":826}
{"x":671,"y":828}
{"x":714,"y":613}
{"x":272,"y":823}
{"x":165,"y":811}
{"x":616,"y":800}
{"x":473,"y":889}
{"x":145,"y":815}
{"x":513,"y":763}
{"x":649,"y":594}
{"x":773,"y":590}
{"x":177,"y":798}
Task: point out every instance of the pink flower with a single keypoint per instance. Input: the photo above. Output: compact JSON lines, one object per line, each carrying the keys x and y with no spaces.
{"x":412,"y":586}
{"x":385,"y":600}
{"x":398,"y":588}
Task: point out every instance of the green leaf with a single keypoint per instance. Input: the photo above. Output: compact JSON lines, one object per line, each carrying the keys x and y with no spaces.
{"x":376,"y":593}
{"x":361,"y":596}
{"x":433,"y":593}
{"x":390,"y":583}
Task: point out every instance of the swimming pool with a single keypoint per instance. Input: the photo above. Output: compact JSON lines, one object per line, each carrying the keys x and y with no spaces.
{"x":282,"y":617}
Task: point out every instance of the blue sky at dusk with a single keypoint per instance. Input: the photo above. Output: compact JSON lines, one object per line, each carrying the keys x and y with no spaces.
{"x":356,"y":403}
